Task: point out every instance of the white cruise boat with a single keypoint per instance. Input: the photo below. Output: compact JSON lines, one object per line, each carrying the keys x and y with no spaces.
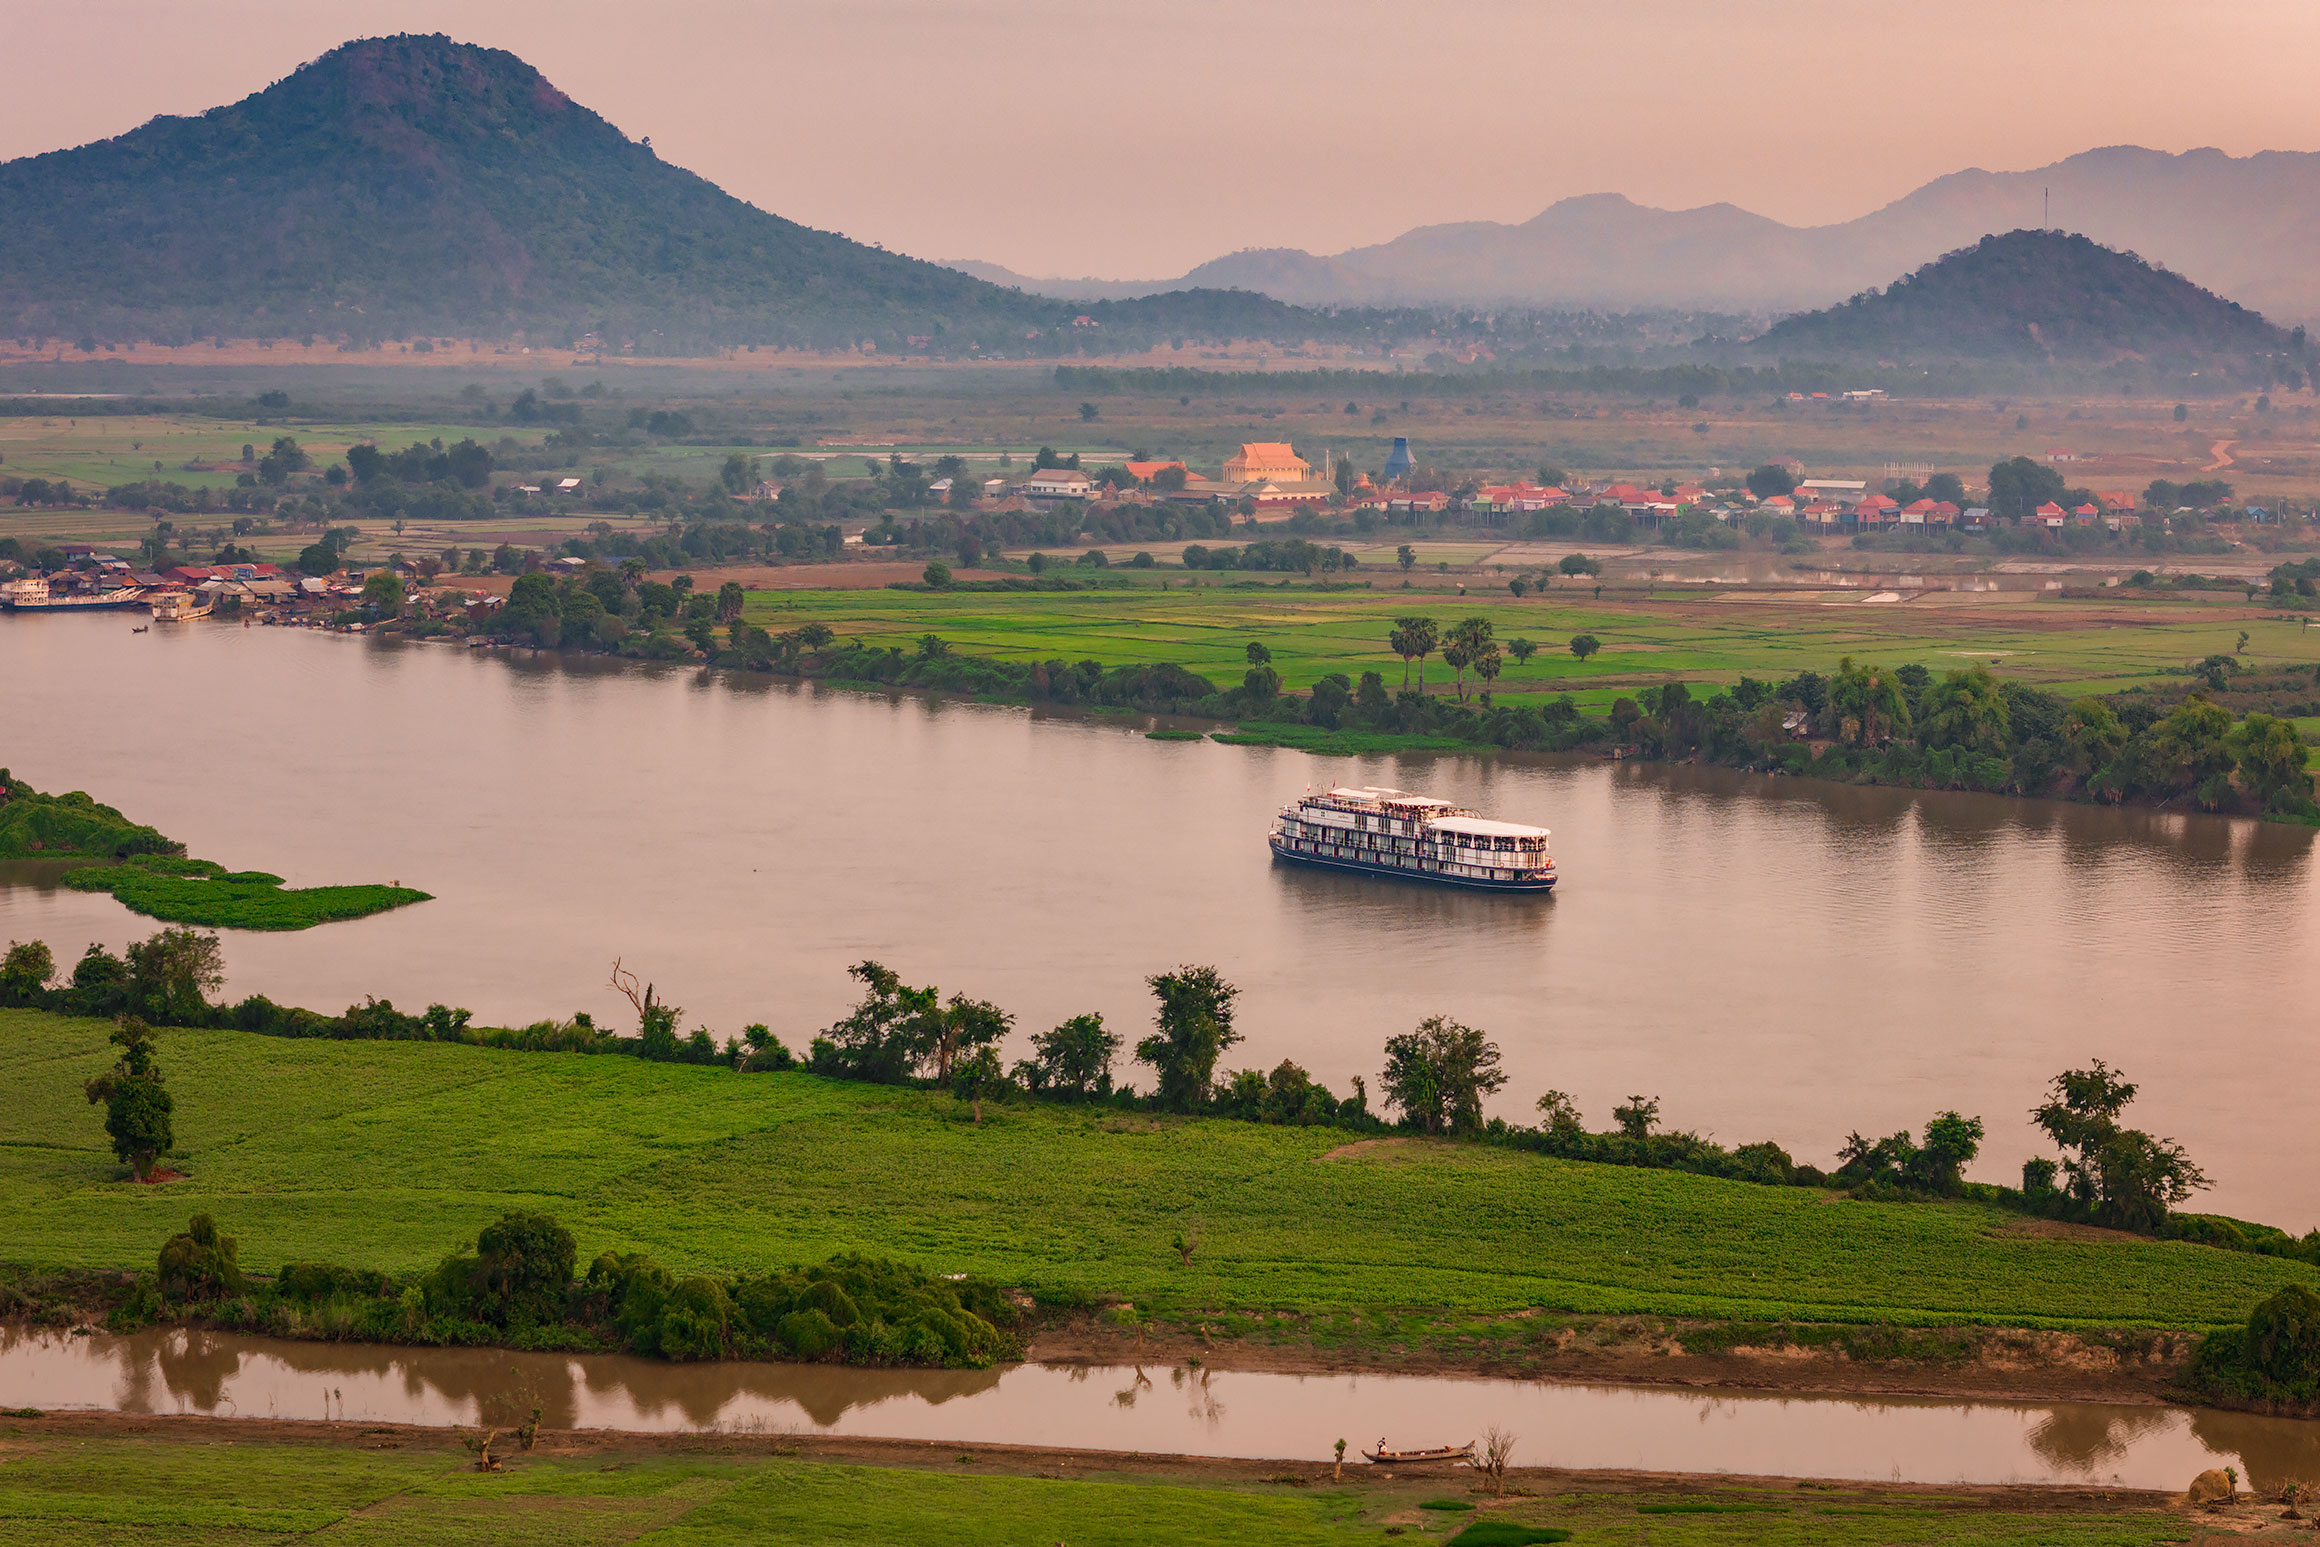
{"x":1394,"y":833}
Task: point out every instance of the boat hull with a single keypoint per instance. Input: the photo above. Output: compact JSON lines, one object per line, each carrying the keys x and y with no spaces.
{"x":71,"y":604}
{"x":1282,"y":851}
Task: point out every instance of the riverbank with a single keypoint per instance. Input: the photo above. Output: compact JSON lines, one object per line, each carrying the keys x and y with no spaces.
{"x":78,"y":1478}
{"x":1304,"y":1251}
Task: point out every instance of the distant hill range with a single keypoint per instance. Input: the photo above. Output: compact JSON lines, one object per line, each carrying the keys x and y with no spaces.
{"x":2240,"y":225}
{"x":2035,"y":296}
{"x":412,"y":185}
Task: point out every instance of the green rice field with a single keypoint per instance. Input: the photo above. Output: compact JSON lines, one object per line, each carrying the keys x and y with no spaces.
{"x":2065,"y":645}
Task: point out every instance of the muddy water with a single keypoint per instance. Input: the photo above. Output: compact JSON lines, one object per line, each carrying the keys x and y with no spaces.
{"x":1159,"y":1410}
{"x":1772,"y":958}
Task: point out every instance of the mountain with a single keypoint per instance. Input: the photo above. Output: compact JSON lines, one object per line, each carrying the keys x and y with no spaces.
{"x":2032,"y":296}
{"x":2233,"y":223}
{"x":413,"y":185}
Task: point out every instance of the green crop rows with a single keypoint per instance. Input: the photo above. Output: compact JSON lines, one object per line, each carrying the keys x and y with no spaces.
{"x":388,"y":1154}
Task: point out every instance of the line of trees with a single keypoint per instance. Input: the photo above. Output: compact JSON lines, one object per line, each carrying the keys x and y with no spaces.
{"x":521,"y":1285}
{"x":1437,"y":1080}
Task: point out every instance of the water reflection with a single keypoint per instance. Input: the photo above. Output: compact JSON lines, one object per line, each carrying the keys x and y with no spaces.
{"x":1209,"y":1411}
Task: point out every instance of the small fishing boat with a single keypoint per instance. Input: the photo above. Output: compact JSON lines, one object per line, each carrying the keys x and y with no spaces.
{"x":139,"y":629}
{"x":1384,"y":1457}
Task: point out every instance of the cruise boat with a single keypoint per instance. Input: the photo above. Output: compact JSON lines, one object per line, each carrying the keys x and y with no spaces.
{"x":33,"y":593}
{"x":1394,"y":833}
{"x":180,"y":606}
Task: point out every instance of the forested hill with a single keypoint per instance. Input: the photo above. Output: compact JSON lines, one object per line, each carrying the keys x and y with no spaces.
{"x":413,"y":185}
{"x":2036,"y":295}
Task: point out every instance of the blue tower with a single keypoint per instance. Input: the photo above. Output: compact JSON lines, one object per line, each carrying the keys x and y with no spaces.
{"x":1398,"y":462}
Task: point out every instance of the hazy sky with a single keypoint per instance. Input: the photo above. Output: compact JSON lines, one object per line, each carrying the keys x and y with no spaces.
{"x":1134,"y":138}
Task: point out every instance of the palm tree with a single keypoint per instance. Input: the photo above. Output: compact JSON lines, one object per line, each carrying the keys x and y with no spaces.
{"x":1422,"y":635}
{"x":1399,"y":642}
{"x":1471,"y":638}
{"x":1487,"y":666}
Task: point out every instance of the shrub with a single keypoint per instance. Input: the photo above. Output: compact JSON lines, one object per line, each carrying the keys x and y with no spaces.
{"x":198,"y":1263}
{"x":808,"y":1334}
{"x":523,"y":1269}
{"x":695,"y":1321}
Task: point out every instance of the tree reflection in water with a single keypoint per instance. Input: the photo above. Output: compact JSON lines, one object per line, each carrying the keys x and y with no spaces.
{"x":2093,"y":1440}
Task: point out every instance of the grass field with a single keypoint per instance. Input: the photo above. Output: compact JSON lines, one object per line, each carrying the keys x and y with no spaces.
{"x":210,"y":1488}
{"x":389,"y":1154}
{"x":2075,"y":646}
{"x":201,"y":892}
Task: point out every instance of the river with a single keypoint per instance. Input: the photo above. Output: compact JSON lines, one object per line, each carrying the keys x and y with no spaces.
{"x":1773,"y":958}
{"x":1159,"y":1409}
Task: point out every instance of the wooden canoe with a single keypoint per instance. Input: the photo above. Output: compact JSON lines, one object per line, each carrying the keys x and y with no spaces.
{"x":1384,"y":1457}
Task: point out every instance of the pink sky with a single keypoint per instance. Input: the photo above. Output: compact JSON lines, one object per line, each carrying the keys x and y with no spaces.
{"x":1123,"y":138}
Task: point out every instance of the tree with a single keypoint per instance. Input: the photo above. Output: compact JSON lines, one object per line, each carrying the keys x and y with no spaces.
{"x":2270,"y":758}
{"x":965,"y":1028}
{"x":384,"y":590}
{"x":1519,"y":586}
{"x":887,"y":1033}
{"x":26,"y":969}
{"x":1195,"y":1027}
{"x":2093,"y":733}
{"x":1771,"y":479}
{"x":1440,"y":1074}
{"x":1469,"y":639}
{"x":1487,"y":666}
{"x":1345,"y":477}
{"x":1951,"y":1142}
{"x":286,"y":457}
{"x":1420,"y":636}
{"x":1584,"y":645}
{"x":1636,"y":1118}
{"x":1075,"y":1059}
{"x":734,"y":476}
{"x":979,"y":1077}
{"x":1406,"y":556}
{"x":1966,"y":712}
{"x":2191,"y":751}
{"x":1262,"y":683}
{"x":730,"y":599}
{"x":1522,"y":650}
{"x":523,"y":1269}
{"x":1871,"y":699}
{"x":137,"y":1107}
{"x":938,"y":574}
{"x":2116,"y":1176}
{"x":1946,"y":487}
{"x":1258,"y":655}
{"x":1576,"y":564}
{"x":2019,"y":486}
{"x":172,"y":974}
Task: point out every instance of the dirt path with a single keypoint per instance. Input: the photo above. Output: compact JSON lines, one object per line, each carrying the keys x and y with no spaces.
{"x":2221,"y":451}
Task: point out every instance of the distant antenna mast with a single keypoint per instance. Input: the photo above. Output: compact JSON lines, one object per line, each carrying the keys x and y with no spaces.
{"x":2046,"y":209}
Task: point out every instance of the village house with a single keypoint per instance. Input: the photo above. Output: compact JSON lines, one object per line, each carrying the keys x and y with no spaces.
{"x":1060,"y":483}
{"x":2050,"y":516}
